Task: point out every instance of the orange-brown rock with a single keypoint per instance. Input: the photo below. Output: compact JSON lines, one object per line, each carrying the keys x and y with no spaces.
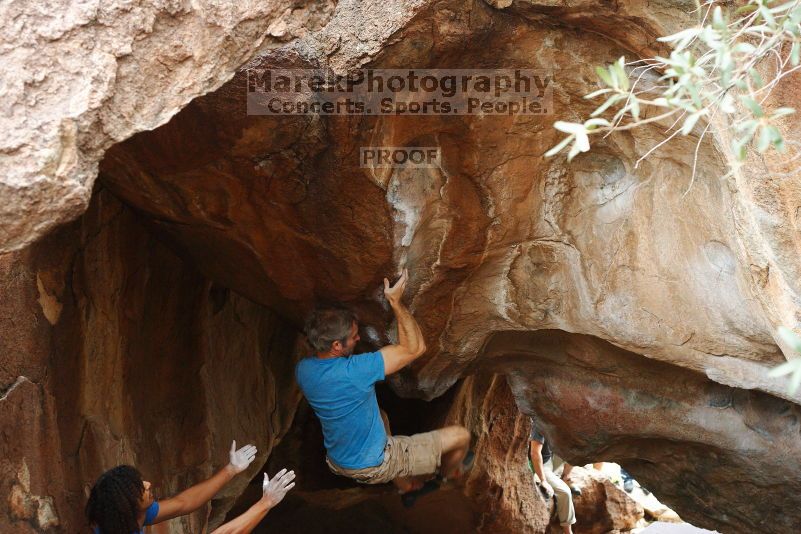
{"x":117,"y":351}
{"x":499,"y":496}
{"x":691,"y":441}
{"x":80,"y":77}
{"x":635,"y":253}
{"x":602,"y":506}
{"x":502,"y":483}
{"x":631,"y":304}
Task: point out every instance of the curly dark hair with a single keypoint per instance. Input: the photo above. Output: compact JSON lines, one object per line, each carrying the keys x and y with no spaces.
{"x":114,"y":501}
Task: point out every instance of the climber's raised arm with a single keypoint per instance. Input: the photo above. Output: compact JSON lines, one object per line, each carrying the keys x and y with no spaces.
{"x":411,"y":344}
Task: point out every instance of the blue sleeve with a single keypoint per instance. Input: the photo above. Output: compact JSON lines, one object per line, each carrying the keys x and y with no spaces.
{"x":297,"y":374}
{"x":366,"y":369}
{"x":151,"y":513}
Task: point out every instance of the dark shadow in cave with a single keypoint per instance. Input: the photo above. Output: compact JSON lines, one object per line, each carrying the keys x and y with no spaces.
{"x":323,"y":502}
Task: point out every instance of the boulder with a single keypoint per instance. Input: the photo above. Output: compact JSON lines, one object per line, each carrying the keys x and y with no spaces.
{"x":81,"y":76}
{"x":630,"y":303}
{"x":117,"y":351}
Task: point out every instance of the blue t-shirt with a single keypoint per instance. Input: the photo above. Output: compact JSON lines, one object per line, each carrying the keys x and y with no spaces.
{"x":150,"y":515}
{"x":342,"y":393}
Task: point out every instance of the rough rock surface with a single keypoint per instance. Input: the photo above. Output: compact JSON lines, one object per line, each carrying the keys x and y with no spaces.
{"x":671,"y":287}
{"x":693,"y":442}
{"x":117,"y":351}
{"x":501,"y":482}
{"x":80,"y":76}
{"x":598,"y":247}
{"x":498,"y":238}
{"x":602,"y":506}
{"x":498,"y":497}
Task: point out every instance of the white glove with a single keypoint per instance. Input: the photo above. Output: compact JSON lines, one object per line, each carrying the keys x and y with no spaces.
{"x":273,"y":491}
{"x":242,"y":458}
{"x":548,"y":489}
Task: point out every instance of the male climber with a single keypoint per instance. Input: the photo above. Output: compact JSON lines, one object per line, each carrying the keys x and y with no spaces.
{"x":340,"y":387}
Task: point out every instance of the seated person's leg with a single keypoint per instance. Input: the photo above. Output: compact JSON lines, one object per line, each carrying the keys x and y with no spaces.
{"x":566,"y":477}
{"x":564,"y":499}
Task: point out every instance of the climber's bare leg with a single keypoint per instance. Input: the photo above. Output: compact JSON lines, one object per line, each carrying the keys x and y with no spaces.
{"x":455,"y":444}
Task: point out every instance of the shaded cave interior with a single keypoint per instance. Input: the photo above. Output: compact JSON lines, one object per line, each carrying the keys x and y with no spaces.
{"x":170,"y":310}
{"x":216,"y":366}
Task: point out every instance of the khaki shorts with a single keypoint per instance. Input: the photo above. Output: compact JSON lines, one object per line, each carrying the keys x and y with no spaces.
{"x":404,"y":456}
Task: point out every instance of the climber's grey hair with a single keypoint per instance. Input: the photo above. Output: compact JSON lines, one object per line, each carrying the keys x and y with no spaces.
{"x":327,"y":324}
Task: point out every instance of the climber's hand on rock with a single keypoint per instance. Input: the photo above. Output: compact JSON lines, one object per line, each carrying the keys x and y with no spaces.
{"x":240,"y":459}
{"x":273,"y":491}
{"x":394,"y":293}
{"x":547,"y":489}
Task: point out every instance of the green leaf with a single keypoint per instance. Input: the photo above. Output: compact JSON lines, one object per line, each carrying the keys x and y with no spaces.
{"x":683,"y":37}
{"x":738,"y":146}
{"x":795,"y":380}
{"x":603,"y":74}
{"x":795,"y":53}
{"x":765,"y":139}
{"x":751,"y":104}
{"x":599,"y":92}
{"x":689,"y":122}
{"x":592,"y":124}
{"x":678,"y":36}
{"x":790,"y":338}
{"x":581,"y":144}
{"x":781,"y":112}
{"x":759,"y":29}
{"x":783,"y":7}
{"x":743,"y":48}
{"x":785,"y":369}
{"x":767,"y":15}
{"x":793,"y":368}
{"x":615,"y":77}
{"x":693,"y":90}
{"x":634,"y":106}
{"x":558,"y":148}
{"x":756,"y":77}
{"x":710,"y":37}
{"x":603,"y":107}
{"x":574,"y":151}
{"x":726,"y":67}
{"x":620,"y":71}
{"x":717,"y":19}
{"x":569,"y":127}
{"x":582,"y":140}
{"x":794,"y":19}
{"x":775,"y":137}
